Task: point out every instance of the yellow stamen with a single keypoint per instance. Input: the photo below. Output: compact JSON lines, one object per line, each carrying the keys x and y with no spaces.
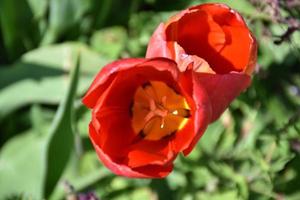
{"x":158,"y":111}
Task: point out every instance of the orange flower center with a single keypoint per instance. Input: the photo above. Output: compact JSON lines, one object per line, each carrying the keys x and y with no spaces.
{"x":158,"y":111}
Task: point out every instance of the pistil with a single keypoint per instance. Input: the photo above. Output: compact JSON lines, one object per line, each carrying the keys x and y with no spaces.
{"x":158,"y":111}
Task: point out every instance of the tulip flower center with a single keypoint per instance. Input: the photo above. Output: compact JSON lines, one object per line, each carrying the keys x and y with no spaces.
{"x":158,"y":111}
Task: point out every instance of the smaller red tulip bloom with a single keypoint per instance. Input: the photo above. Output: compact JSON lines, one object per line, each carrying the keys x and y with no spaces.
{"x":214,"y":41}
{"x":145,"y":112}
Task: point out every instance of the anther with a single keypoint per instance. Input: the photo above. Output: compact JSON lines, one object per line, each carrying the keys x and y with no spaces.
{"x":158,"y":111}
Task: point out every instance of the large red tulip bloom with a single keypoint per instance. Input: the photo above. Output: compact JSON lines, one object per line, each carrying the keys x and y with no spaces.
{"x":145,"y":112}
{"x":214,"y":41}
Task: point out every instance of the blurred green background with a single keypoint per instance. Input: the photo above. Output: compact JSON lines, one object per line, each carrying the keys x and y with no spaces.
{"x":252,"y":152}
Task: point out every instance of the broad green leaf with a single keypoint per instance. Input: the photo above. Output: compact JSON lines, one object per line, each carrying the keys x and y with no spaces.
{"x":22,"y":93}
{"x":27,"y":72}
{"x":19,"y":31}
{"x":63,"y":15}
{"x":42,"y":76}
{"x":38,"y":7}
{"x":32,"y":163}
{"x":40,"y":117}
{"x":82,"y":124}
{"x":61,"y":135}
{"x":22,"y":166}
{"x":58,"y":57}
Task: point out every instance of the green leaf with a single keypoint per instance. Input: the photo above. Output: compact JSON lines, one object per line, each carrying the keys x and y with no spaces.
{"x":210,"y":139}
{"x":284,"y":53}
{"x":141,"y":27}
{"x":40,"y":118}
{"x":29,"y":91}
{"x":243,"y":6}
{"x":63,"y":15}
{"x":281,"y":156}
{"x":207,"y":179}
{"x":162,"y":188}
{"x":22,"y":165}
{"x":32,"y":163}
{"x":256,"y":121}
{"x":264,"y":189}
{"x":232,"y":195}
{"x":58,"y":57}
{"x":19,"y":31}
{"x":294,"y":196}
{"x":42,"y":76}
{"x":110,"y":41}
{"x":227,"y":172}
{"x":82,"y":123}
{"x":38,"y":7}
{"x":89,"y":180}
{"x":61,"y":136}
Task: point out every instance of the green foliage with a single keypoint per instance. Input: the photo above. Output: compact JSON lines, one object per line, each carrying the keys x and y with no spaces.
{"x":252,"y":152}
{"x":61,"y":137}
{"x":23,"y":165}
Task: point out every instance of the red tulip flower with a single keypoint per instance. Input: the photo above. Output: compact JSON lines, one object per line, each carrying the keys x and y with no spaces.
{"x":214,"y":41}
{"x":145,"y":112}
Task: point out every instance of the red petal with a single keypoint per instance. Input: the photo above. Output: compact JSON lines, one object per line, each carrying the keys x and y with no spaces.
{"x":202,"y":40}
{"x":115,"y":104}
{"x":157,"y":46}
{"x":111,"y":117}
{"x":147,"y":152}
{"x":240,"y":48}
{"x":155,"y":171}
{"x":203,"y":112}
{"x":162,"y":64}
{"x":253,"y":57}
{"x":222,"y":89}
{"x":106,"y":75}
{"x":222,"y":14}
{"x":213,"y":32}
{"x":185,"y":61}
{"x":151,"y":171}
{"x":111,"y":120}
{"x":237,"y":50}
{"x":103,"y":79}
